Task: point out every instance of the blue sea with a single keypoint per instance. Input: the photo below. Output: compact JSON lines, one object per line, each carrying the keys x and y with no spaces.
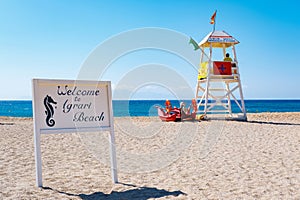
{"x":147,"y":107}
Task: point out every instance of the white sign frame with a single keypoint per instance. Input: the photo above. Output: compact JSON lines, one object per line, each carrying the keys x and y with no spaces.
{"x":43,"y":86}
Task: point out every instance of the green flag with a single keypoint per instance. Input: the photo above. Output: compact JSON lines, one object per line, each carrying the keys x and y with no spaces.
{"x":194,"y":43}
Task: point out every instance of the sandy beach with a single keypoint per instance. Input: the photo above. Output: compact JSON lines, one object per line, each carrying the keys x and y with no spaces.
{"x":258,"y":159}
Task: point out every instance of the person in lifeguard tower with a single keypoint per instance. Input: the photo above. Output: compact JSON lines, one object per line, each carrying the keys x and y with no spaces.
{"x":168,"y":106}
{"x":227,"y":58}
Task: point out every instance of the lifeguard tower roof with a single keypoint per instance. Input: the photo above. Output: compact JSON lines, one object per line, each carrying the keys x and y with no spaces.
{"x":218,"y":39}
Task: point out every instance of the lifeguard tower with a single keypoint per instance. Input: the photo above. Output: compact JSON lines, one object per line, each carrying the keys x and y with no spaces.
{"x":219,"y":83}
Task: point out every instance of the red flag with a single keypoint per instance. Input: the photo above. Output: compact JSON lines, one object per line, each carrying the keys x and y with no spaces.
{"x":213,"y":17}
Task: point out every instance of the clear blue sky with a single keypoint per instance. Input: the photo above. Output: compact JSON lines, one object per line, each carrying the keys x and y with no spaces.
{"x":51,"y":39}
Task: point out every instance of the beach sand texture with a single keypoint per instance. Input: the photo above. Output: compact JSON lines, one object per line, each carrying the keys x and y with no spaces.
{"x":258,"y":159}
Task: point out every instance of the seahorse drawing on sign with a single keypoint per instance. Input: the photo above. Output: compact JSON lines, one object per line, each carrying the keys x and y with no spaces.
{"x":48,"y":101}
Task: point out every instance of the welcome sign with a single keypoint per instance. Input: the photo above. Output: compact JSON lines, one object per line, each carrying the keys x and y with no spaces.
{"x":66,"y":105}
{"x":62,"y":106}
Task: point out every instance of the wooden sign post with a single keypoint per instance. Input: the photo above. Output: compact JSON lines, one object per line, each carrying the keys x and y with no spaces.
{"x":62,"y":106}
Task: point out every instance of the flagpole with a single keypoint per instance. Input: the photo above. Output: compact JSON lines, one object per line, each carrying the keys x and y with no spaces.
{"x":214,"y":28}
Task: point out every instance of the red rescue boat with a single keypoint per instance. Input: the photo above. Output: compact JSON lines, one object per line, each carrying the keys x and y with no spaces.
{"x":167,"y":117}
{"x":177,"y":114}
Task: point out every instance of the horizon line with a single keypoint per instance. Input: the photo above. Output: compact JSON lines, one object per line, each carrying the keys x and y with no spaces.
{"x":165,"y":99}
